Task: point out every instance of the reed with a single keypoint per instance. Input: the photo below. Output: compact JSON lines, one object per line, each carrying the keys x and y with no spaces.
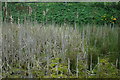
{"x":28,"y":49}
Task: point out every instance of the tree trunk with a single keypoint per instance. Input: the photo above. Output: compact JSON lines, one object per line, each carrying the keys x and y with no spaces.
{"x":5,"y":12}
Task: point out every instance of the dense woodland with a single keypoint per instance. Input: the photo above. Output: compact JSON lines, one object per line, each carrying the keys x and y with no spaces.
{"x":60,"y":40}
{"x":70,"y":13}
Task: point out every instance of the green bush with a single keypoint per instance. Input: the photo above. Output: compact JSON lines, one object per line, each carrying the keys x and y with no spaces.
{"x":69,"y":13}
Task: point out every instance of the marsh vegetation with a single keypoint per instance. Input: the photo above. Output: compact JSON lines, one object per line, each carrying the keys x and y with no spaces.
{"x":60,"y":40}
{"x":54,"y":51}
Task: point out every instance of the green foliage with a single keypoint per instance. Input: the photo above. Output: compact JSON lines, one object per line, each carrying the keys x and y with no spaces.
{"x":65,"y":12}
{"x":104,"y":69}
{"x":82,"y":70}
{"x":57,"y":69}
